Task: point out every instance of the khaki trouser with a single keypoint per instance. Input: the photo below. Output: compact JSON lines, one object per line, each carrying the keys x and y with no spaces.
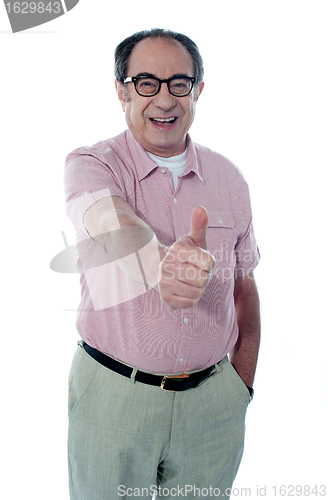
{"x":127,"y":439}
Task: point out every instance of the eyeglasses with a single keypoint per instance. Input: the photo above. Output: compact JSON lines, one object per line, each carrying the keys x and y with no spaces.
{"x":148,"y":86}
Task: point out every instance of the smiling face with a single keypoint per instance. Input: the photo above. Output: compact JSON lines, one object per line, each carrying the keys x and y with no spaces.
{"x":161,"y":58}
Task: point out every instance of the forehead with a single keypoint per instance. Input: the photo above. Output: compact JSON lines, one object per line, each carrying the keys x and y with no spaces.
{"x":160,"y":57}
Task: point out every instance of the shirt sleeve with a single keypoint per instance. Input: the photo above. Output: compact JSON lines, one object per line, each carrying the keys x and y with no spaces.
{"x":247,"y":253}
{"x":87,"y":180}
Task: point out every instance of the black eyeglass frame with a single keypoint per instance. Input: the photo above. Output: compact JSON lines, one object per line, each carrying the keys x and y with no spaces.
{"x":135,"y":80}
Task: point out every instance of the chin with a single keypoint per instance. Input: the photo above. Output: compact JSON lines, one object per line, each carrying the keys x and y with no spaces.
{"x":169,"y":144}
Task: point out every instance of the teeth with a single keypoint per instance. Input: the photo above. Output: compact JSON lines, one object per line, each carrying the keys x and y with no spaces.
{"x":163,"y":120}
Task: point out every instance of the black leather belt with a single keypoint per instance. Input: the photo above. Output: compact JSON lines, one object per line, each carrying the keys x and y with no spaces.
{"x":166,"y":382}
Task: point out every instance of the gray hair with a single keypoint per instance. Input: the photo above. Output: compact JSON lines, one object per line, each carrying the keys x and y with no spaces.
{"x":124,"y":49}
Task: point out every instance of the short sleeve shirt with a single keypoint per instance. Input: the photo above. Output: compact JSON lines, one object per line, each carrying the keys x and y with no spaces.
{"x":127,"y":319}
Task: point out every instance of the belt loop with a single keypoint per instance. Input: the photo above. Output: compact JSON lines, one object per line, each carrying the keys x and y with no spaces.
{"x":216,"y":366}
{"x":133,"y":375}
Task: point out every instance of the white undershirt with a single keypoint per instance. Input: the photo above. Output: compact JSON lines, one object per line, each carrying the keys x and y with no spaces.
{"x":175,"y":165}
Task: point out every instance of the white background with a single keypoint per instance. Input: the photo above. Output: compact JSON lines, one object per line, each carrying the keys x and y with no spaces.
{"x":265,"y":107}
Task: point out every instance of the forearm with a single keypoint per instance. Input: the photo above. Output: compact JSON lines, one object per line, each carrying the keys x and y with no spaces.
{"x":179,"y":273}
{"x":244,"y":355}
{"x":127,"y":239}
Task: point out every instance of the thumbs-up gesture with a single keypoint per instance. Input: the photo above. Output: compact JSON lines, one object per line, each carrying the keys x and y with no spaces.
{"x":186,"y":269}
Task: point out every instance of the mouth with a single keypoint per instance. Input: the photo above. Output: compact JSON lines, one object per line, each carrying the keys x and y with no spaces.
{"x":164,"y":122}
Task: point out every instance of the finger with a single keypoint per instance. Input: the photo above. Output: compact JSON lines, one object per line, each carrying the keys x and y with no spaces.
{"x":199,"y":221}
{"x":183,"y":298}
{"x":186,"y":273}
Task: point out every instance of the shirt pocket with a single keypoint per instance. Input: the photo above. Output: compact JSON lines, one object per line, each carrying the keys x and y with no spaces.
{"x":221,"y":219}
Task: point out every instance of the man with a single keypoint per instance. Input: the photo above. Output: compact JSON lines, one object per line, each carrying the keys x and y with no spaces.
{"x":166,"y":253}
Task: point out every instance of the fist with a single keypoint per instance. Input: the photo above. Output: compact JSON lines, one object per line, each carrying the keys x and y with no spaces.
{"x":186,"y":269}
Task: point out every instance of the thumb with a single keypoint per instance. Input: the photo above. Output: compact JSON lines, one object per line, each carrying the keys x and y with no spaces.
{"x":199,"y":221}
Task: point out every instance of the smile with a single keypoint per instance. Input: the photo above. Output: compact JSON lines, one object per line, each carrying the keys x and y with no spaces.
{"x":164,"y":121}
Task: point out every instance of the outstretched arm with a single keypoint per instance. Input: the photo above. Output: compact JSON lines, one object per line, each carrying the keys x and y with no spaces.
{"x":179,"y":273}
{"x":112,"y":222}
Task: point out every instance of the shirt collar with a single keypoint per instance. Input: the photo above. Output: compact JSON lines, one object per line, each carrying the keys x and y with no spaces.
{"x":192,"y":164}
{"x":144,"y":164}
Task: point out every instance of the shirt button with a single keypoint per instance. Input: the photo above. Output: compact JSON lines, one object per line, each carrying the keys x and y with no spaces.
{"x":185,"y":320}
{"x":220,"y":221}
{"x":175,"y":200}
{"x":163,"y":171}
{"x":180,"y":360}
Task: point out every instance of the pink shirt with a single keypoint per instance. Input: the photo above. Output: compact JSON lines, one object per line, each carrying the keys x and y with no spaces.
{"x":126,"y":319}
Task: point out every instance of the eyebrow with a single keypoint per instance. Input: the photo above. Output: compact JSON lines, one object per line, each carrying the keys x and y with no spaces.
{"x":176,"y":75}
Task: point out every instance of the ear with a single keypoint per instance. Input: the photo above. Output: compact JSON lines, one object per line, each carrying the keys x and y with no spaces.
{"x":119,"y":86}
{"x":198,"y":90}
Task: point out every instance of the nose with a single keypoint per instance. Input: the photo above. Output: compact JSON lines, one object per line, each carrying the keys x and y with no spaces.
{"x":164,"y":99}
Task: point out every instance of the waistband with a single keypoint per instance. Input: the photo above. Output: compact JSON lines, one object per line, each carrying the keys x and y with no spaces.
{"x":168,"y":383}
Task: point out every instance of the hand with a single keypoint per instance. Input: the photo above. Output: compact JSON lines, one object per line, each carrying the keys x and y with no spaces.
{"x":186,"y":269}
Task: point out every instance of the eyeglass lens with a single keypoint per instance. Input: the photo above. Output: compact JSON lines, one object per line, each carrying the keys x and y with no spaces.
{"x":177,"y":86}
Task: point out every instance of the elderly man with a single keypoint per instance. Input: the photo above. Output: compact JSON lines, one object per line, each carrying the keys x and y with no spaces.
{"x":166,"y":254}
